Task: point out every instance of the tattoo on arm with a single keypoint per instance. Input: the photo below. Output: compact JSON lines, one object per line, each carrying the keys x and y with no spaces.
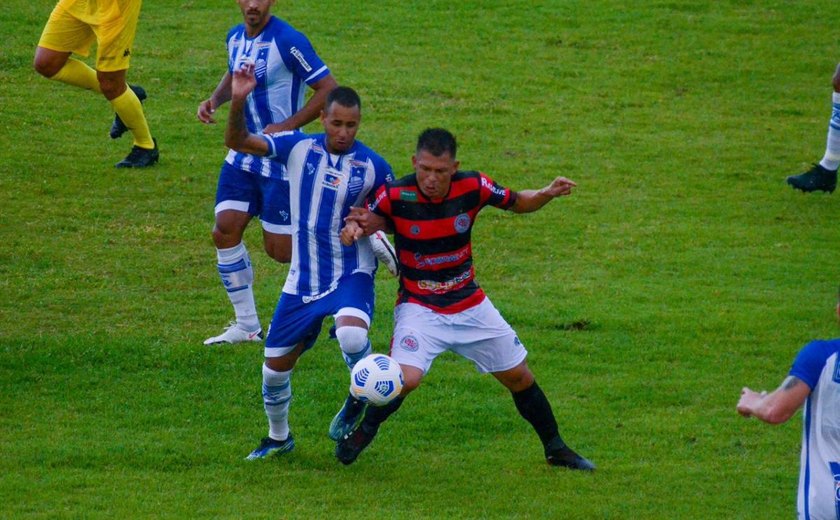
{"x":790,"y":382}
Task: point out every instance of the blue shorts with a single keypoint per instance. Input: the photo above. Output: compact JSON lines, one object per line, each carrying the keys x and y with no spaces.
{"x":298,"y":319}
{"x":266,"y":197}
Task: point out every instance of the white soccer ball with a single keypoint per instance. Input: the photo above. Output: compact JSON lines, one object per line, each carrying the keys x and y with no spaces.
{"x":377,"y":379}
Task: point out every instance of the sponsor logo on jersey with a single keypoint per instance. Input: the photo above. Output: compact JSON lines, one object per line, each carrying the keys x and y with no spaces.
{"x":409,"y":343}
{"x":444,"y":286}
{"x":332,"y":179}
{"x":380,"y":198}
{"x":836,"y":376}
{"x":492,"y":187}
{"x":424,"y":261}
{"x":299,"y":56}
{"x":835,"y":471}
{"x":408,"y":195}
{"x":462,"y":223}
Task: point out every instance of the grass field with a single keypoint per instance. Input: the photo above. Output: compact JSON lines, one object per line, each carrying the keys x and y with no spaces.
{"x":682,"y":269}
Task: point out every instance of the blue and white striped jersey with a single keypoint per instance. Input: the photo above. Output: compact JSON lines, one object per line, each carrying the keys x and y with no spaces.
{"x":818,"y":365}
{"x":323,"y":187}
{"x":285,"y":63}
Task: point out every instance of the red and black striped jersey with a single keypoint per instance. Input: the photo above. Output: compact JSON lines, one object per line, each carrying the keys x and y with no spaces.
{"x":433,"y":238}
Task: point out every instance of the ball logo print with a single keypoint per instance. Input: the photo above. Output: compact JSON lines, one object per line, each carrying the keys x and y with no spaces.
{"x":376,"y":379}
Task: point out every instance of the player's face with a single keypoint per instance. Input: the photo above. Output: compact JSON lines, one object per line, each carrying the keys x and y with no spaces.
{"x":340,"y":124}
{"x":434,"y":172}
{"x":255,"y":12}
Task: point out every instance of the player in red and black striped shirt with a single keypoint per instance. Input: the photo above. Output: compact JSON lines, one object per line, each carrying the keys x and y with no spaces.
{"x":440,"y":307}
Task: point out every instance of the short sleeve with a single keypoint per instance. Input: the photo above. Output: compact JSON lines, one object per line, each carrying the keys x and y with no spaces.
{"x":380,"y":204}
{"x":301,"y":58}
{"x":280,"y":144}
{"x":495,"y":194}
{"x":810,"y":361}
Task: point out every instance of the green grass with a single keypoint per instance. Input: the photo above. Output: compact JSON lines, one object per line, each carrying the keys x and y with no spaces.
{"x":681,"y":270}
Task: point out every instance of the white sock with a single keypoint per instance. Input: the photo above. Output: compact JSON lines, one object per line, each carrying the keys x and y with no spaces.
{"x":277,"y":393}
{"x":831,"y":160}
{"x":238,"y":278}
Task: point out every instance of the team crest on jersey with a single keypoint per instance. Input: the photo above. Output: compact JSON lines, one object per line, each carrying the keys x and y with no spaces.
{"x":354,"y":187}
{"x":409,"y":343}
{"x":408,"y":195}
{"x":415,"y":230}
{"x":260,"y":68}
{"x":462,"y":223}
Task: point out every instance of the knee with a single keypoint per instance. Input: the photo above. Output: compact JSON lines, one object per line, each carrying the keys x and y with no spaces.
{"x":352,"y":340}
{"x":45,"y":67}
{"x":517,"y":379}
{"x":835,"y":80}
{"x":278,"y":252}
{"x":111,"y":84}
{"x":282,"y":363}
{"x":411,"y":379}
{"x":226,"y":236}
{"x":410,"y":384}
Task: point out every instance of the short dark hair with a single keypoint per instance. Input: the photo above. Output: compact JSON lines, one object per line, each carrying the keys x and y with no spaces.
{"x":437,"y":141}
{"x":344,"y":96}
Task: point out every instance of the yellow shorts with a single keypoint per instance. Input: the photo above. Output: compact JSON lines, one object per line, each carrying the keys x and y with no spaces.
{"x":75,"y":24}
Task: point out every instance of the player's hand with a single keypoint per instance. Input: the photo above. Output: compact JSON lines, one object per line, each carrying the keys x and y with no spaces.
{"x":749,"y":400}
{"x":206,"y":111}
{"x":367,"y":220}
{"x":243,"y":81}
{"x":350,"y":233}
{"x":559,"y":187}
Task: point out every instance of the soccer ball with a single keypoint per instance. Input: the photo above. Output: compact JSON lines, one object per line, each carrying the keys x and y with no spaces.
{"x":377,"y":379}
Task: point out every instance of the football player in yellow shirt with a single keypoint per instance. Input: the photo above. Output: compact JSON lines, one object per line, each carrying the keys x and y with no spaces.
{"x":72,"y":27}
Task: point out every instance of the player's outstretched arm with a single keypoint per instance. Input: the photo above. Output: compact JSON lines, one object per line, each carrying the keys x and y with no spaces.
{"x":532,"y":200}
{"x":219,"y":97}
{"x":308,"y":112}
{"x":777,"y":406}
{"x":237,"y":136}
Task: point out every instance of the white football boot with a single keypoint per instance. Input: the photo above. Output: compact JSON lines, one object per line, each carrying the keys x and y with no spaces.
{"x":385,"y":252}
{"x":234,"y":334}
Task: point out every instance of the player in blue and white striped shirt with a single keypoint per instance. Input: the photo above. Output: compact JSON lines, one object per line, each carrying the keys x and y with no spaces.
{"x":328,"y":174}
{"x":249,"y":185}
{"x":814,"y":380}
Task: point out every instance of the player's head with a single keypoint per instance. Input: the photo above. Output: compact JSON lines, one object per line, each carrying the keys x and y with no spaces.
{"x":341,"y":117}
{"x":434,"y":161}
{"x":255,"y":13}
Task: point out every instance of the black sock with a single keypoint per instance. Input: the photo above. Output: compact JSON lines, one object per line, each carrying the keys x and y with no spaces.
{"x":533,"y":405}
{"x":376,"y":415}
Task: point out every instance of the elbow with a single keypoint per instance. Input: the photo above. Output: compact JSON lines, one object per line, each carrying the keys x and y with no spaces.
{"x":232,"y":142}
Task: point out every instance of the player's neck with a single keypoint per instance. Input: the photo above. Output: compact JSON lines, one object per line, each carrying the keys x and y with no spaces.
{"x":254,"y":31}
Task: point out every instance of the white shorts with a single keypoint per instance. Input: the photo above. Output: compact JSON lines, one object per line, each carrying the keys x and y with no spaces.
{"x":479,"y":334}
